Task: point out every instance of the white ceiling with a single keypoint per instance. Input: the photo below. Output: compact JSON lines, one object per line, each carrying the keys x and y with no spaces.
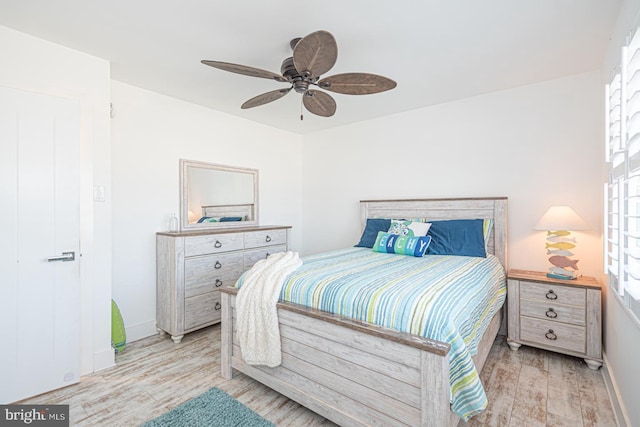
{"x":435,"y":50}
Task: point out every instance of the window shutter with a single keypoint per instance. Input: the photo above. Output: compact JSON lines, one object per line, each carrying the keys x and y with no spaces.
{"x":614,"y":197}
{"x":630,"y":137}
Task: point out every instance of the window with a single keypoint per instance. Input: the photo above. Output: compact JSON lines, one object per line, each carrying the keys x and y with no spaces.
{"x":622,"y":207}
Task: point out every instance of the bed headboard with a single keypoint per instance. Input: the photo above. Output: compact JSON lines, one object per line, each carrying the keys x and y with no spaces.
{"x":440,"y":209}
{"x":245,"y":211}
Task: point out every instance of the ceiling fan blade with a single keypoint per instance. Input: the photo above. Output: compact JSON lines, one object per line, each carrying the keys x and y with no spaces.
{"x":357,"y":83}
{"x":265,"y":98}
{"x":244,"y":69}
{"x":315,"y":54}
{"x":319,"y":103}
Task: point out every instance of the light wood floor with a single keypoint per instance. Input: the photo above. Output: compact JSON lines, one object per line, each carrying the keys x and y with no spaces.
{"x":529,"y":387}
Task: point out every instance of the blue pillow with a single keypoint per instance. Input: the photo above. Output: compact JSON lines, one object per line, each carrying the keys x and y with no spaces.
{"x":230,"y":218}
{"x":370,"y":233}
{"x":401,"y":245}
{"x":463,"y":237}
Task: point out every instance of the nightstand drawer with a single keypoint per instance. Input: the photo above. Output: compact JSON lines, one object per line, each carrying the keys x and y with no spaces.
{"x":554,"y":334}
{"x":553,"y":312}
{"x":553,"y":293}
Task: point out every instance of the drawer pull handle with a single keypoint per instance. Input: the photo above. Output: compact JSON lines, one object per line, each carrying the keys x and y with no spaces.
{"x":550,"y":335}
{"x":551,"y":313}
{"x":267,"y":255}
{"x":218,"y":283}
{"x":218,"y":265}
{"x":551,"y":294}
{"x":268,"y":239}
{"x":217,"y":244}
{"x":218,"y":306}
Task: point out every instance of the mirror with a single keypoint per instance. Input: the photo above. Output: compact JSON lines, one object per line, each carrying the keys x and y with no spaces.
{"x":217,"y":196}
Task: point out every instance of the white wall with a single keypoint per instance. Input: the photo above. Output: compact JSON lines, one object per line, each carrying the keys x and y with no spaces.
{"x":539,"y":145}
{"x":621,"y":328}
{"x":150,"y":133}
{"x":36,"y":65}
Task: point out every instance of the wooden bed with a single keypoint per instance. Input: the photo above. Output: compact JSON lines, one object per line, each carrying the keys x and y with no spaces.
{"x":359,"y":374}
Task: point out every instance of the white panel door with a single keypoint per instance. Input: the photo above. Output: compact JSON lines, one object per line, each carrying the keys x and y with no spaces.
{"x":39,"y":214}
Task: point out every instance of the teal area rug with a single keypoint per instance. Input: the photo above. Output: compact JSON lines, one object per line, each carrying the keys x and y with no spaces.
{"x":215,"y":408}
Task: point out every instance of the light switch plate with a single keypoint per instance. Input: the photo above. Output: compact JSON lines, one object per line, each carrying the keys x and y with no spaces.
{"x":98,"y":193}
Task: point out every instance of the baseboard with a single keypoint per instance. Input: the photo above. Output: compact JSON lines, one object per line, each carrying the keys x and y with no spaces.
{"x":141,"y":330}
{"x":103,"y":359}
{"x":619,"y":410}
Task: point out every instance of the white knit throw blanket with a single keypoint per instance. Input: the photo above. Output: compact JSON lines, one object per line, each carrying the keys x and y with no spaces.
{"x":257,"y":317}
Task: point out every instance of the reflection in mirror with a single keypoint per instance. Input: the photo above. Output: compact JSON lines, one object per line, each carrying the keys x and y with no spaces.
{"x":215,"y":196}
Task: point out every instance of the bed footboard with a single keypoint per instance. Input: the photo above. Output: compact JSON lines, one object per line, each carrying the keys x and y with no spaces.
{"x":350,"y":372}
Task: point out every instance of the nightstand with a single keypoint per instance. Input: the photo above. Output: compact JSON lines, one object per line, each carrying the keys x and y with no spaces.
{"x":564,"y":316}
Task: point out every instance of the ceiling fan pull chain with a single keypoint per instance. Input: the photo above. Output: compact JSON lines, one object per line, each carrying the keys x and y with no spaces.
{"x":301,"y":110}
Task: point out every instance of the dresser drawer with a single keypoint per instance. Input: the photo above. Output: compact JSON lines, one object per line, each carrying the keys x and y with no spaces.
{"x":212,"y":243}
{"x":549,"y":310}
{"x":256,"y":239}
{"x":207,"y":273}
{"x":201,"y":310}
{"x":554,"y":334}
{"x":255,"y":255}
{"x":553,"y":293}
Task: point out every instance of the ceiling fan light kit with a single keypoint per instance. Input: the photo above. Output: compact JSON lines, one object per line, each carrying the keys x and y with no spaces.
{"x":313,"y":55}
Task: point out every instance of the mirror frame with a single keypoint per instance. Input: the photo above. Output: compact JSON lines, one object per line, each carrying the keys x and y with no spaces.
{"x":184,"y":206}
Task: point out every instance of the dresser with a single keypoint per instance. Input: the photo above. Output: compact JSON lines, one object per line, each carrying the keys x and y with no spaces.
{"x":564,"y":316}
{"x":191,"y":267}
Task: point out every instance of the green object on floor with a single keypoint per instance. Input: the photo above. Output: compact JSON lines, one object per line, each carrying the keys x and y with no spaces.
{"x":118,"y":335}
{"x":215,"y":408}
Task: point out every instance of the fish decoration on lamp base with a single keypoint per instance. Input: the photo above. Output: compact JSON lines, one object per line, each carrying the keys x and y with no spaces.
{"x":559,"y":246}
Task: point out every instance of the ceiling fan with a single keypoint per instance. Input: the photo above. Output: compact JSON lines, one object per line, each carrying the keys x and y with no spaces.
{"x":313,"y":55}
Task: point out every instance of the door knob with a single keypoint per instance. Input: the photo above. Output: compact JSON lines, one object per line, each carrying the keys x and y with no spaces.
{"x":66,"y":256}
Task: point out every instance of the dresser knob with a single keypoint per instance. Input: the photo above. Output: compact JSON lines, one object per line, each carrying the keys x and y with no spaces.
{"x":550,"y":335}
{"x":551,"y":294}
{"x":217,"y":244}
{"x":218,"y":265}
{"x":218,"y":283}
{"x":551,"y":313}
{"x":218,"y":306}
{"x":268,"y":239}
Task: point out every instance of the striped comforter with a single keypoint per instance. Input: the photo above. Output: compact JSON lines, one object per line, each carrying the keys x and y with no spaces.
{"x":446,"y":298}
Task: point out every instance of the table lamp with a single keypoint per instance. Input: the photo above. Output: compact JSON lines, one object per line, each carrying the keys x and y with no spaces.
{"x":559,"y":222}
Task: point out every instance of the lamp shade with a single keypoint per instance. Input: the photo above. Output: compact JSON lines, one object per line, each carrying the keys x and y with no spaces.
{"x":561,"y":218}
